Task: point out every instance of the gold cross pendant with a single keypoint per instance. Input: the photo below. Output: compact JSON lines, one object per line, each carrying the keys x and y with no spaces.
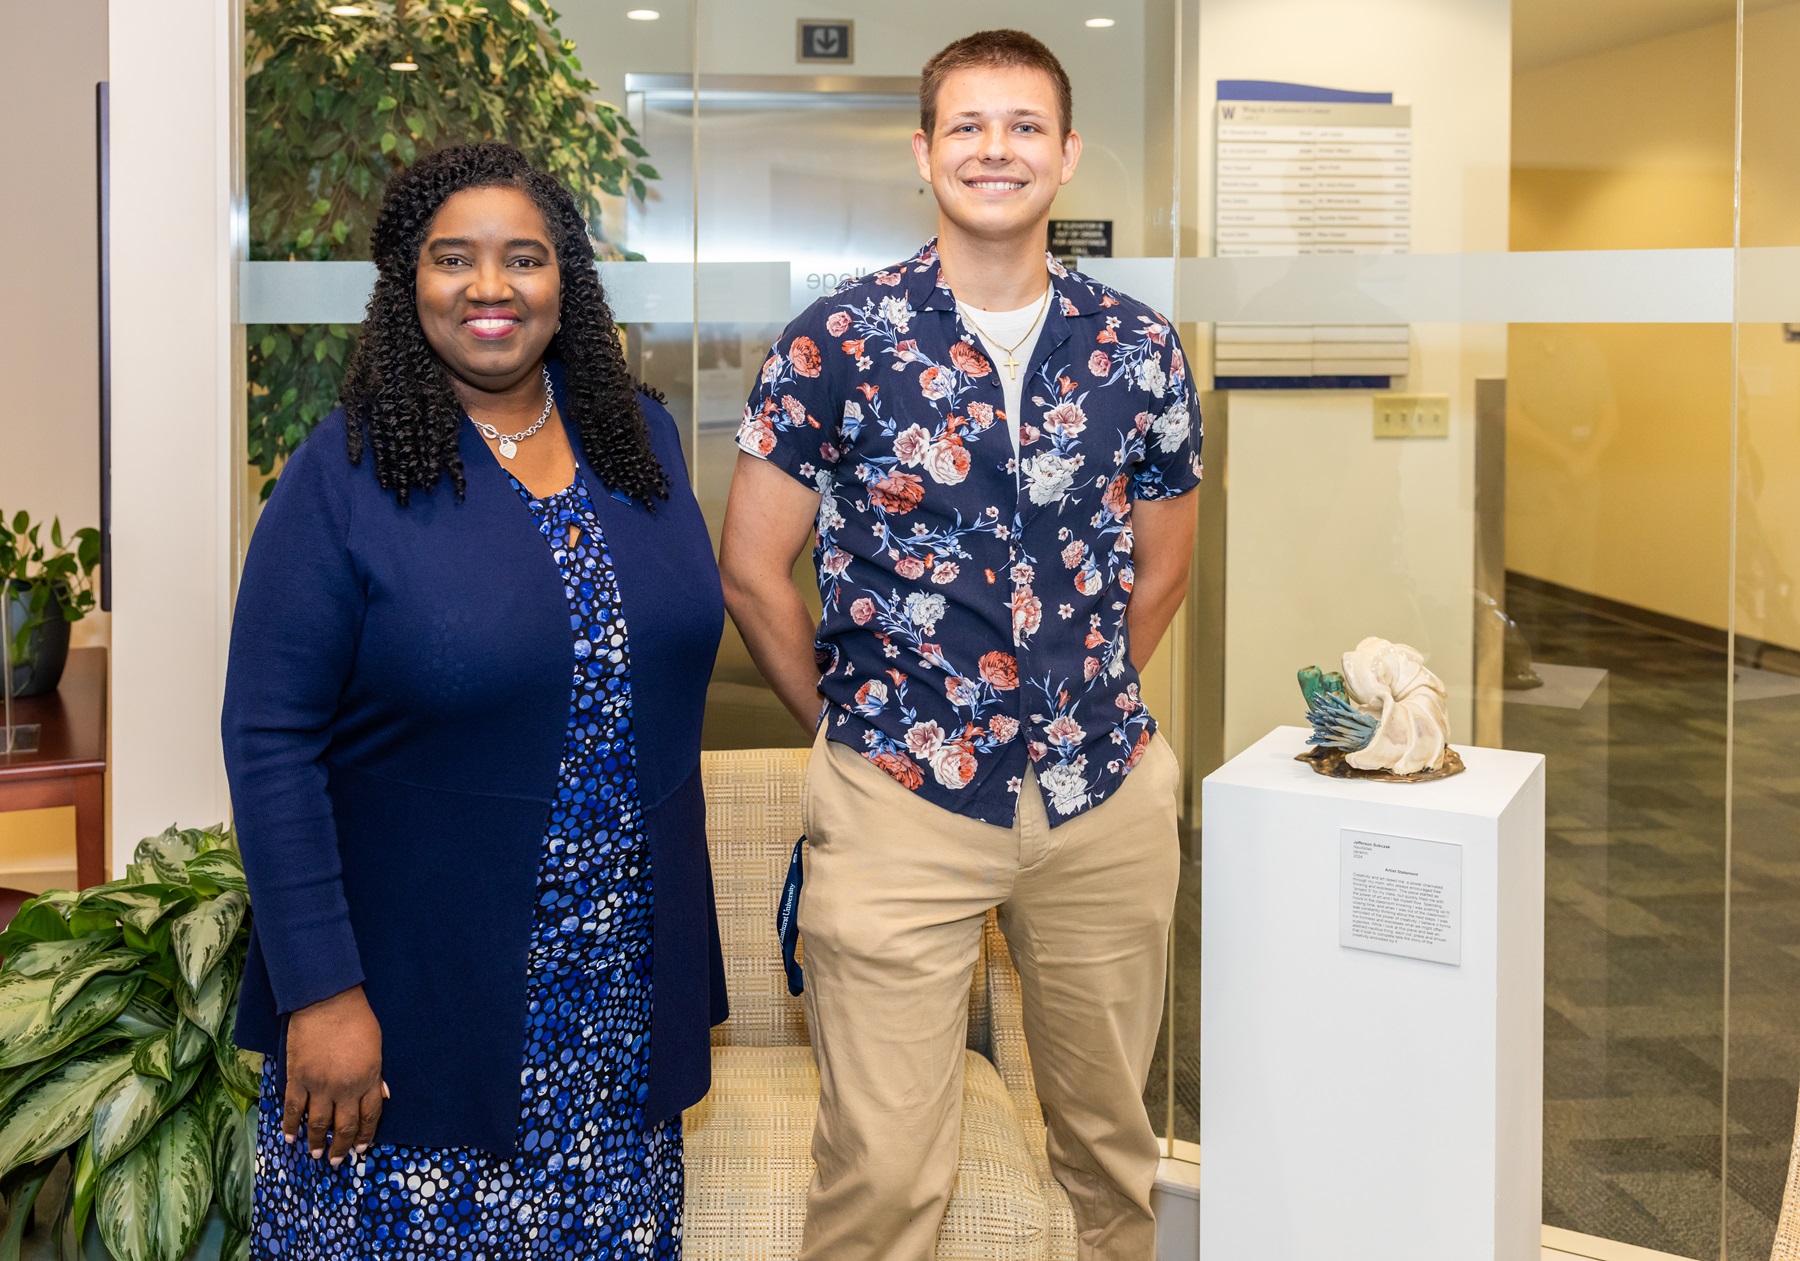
{"x":1012,"y":367}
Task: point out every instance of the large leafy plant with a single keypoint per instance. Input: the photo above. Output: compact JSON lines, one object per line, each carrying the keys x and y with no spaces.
{"x":329,"y":116}
{"x":116,"y":1012}
{"x":54,"y":572}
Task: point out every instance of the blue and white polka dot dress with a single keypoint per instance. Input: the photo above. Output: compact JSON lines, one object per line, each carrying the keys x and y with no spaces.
{"x":589,"y":1180}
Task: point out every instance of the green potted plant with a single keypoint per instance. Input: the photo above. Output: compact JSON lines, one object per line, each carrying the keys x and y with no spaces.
{"x":45,"y":585}
{"x":116,"y":1056}
{"x":337,"y":97}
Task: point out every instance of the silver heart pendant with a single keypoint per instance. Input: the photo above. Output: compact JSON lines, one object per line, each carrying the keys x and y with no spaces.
{"x":508,"y":448}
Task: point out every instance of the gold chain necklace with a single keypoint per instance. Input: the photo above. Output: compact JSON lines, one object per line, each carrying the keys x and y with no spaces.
{"x":1011,"y":364}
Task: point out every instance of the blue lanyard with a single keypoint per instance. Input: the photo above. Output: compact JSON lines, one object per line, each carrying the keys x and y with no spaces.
{"x":787,"y":922}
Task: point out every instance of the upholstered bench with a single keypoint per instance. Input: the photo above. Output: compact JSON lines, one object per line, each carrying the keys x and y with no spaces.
{"x":749,"y":1142}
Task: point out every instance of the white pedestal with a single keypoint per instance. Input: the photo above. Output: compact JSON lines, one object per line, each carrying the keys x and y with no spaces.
{"x":1361,"y":1106}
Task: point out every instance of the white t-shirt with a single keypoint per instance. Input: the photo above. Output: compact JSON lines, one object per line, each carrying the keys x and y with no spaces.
{"x":1009,"y":327}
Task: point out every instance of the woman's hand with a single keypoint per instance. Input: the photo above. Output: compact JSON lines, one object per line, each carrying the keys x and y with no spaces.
{"x":334,"y":1075}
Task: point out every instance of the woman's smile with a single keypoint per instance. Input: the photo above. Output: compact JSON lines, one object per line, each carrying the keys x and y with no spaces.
{"x":491,"y":325}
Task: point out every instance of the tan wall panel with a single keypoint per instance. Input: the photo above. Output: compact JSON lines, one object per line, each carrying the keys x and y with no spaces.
{"x":1618,"y":462}
{"x":1618,"y":436}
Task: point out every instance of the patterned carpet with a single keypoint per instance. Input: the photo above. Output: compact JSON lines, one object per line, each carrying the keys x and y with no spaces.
{"x":1635,"y":1054}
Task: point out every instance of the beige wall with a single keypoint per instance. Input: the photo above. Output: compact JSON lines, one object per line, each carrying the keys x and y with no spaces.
{"x":1768,"y":519}
{"x":1619,"y":453}
{"x":1331,"y":534}
{"x":51,"y":56}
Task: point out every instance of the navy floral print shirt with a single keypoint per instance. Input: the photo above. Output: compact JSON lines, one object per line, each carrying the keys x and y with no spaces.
{"x":974,"y":601}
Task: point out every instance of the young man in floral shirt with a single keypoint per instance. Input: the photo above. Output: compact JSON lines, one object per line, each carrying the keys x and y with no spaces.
{"x":995,"y":455}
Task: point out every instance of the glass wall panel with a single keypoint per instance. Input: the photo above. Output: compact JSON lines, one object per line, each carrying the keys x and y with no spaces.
{"x":1618,"y":510}
{"x":1525,"y":213}
{"x":657,"y":227}
{"x":1558,"y":554}
{"x":1618,"y":515}
{"x":1764,"y":804}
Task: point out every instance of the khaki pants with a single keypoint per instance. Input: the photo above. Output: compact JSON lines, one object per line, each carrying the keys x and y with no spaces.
{"x":891,"y":913}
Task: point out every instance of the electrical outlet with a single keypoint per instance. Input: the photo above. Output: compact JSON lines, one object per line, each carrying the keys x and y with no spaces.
{"x":1412,"y":415}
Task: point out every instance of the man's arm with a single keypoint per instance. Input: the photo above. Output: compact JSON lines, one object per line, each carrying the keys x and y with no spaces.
{"x":1162,"y":533}
{"x":768,"y":519}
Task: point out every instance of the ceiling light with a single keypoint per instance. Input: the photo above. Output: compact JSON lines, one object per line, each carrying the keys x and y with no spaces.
{"x":347,"y":11}
{"x":1097,"y":23}
{"x":408,"y":64}
{"x":642,"y":15}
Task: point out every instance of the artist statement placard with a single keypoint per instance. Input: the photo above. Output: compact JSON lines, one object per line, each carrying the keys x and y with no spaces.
{"x":1400,"y":896}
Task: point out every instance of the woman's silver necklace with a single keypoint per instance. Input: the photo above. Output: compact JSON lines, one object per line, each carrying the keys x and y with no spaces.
{"x":509,"y":442}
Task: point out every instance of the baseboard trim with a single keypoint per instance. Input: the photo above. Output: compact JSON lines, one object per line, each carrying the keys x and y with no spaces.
{"x":1178,"y":1221}
{"x":1176,"y":1200}
{"x":1178,"y":1177}
{"x":1751,"y":652}
{"x":1560,"y":1243}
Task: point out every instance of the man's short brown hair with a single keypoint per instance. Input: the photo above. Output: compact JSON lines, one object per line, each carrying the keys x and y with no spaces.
{"x":997,"y":49}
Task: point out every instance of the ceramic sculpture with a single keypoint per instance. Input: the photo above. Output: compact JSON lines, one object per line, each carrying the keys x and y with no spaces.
{"x":1384,"y":717}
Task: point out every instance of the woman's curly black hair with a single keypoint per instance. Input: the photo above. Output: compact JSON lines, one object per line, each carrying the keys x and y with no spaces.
{"x":397,"y":394}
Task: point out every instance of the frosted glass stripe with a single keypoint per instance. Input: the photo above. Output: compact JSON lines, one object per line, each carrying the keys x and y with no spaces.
{"x":1587,"y":287}
{"x":1577,"y":287}
{"x":303,"y":293}
{"x":1584,"y":287}
{"x":1769,"y":285}
{"x":639,"y":293}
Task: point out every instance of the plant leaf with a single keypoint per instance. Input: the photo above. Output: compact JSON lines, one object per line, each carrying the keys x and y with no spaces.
{"x":140,"y":1019}
{"x":241,"y":1070}
{"x":56,"y":1111}
{"x":206,"y":1007}
{"x":44,"y":957}
{"x":37,"y":920}
{"x":138,"y":905}
{"x":131,"y":1109}
{"x":236,"y":1246}
{"x":13,"y":1080}
{"x":83,"y":1179}
{"x":221,"y":866}
{"x":23,"y":1001}
{"x":191,"y":1042}
{"x":152,"y":1203}
{"x":97,"y":1003}
{"x":234,"y":1160}
{"x":219,"y":834}
{"x":69,"y":984}
{"x":155,"y":1057}
{"x":167,"y":855}
{"x":204,"y":934}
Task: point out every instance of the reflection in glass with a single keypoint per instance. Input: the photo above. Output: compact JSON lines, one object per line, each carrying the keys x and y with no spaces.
{"x":1764,"y":914}
{"x":1617,"y":523}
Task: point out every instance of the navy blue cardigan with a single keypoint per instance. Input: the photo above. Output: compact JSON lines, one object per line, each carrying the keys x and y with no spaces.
{"x":394,"y":719}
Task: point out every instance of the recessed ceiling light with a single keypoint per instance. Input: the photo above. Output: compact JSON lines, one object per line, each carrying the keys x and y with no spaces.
{"x":1100,"y":22}
{"x":347,"y":11}
{"x":408,"y":64}
{"x":642,"y":15}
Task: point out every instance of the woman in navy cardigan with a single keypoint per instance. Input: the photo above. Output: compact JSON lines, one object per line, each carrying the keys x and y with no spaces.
{"x":462,"y":727}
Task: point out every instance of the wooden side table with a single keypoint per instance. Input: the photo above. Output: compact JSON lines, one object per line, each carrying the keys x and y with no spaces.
{"x":68,"y":767}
